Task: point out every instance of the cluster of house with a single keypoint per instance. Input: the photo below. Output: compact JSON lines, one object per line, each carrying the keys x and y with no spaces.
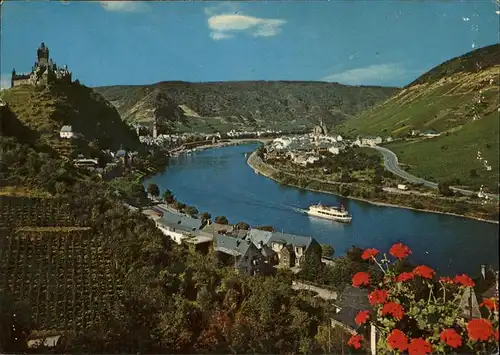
{"x":252,"y":251}
{"x":240,"y":134}
{"x":309,"y":148}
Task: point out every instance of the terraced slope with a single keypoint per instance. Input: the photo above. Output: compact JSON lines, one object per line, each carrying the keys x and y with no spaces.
{"x":458,"y":99}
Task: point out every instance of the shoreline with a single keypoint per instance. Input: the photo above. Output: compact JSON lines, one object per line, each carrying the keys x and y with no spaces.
{"x":375,"y":203}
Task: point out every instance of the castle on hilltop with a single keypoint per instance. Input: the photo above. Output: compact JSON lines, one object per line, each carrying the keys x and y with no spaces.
{"x":44,"y":72}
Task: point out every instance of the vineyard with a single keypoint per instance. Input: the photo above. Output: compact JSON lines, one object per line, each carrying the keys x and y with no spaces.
{"x":63,"y":272}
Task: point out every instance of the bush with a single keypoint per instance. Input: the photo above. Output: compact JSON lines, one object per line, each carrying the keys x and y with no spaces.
{"x":221,"y":220}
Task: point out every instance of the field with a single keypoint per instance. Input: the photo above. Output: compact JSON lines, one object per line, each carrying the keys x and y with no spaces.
{"x":453,"y":156}
{"x":55,"y":264}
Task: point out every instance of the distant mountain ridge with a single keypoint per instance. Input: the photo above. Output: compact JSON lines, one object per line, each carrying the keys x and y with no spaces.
{"x":221,"y":106}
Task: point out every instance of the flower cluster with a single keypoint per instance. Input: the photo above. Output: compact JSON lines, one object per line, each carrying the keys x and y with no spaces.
{"x":418,"y":314}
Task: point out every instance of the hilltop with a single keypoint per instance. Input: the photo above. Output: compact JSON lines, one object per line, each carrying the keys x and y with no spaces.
{"x":222,"y":106}
{"x":458,"y":99}
{"x":42,"y":111}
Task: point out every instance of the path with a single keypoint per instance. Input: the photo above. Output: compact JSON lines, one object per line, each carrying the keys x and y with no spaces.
{"x":391,"y":163}
{"x":323,"y":293}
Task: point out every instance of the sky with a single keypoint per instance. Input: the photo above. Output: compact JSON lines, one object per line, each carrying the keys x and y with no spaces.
{"x":375,"y":42}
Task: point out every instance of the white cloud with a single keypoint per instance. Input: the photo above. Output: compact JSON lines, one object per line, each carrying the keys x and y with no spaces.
{"x":124,"y":6}
{"x":226,"y":21}
{"x":371,"y":75}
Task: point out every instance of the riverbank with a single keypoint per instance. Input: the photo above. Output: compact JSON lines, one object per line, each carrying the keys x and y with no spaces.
{"x":256,"y":163}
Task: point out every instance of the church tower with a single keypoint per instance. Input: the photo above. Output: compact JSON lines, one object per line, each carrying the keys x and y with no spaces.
{"x":155,"y":128}
{"x":43,"y":56}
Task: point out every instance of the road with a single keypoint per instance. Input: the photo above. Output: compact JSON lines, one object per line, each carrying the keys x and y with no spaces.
{"x":323,"y":293}
{"x":391,"y":163}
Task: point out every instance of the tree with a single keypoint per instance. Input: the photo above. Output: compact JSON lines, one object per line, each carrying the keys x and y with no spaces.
{"x":326,"y":250}
{"x":444,"y":189}
{"x":266,"y":228}
{"x":168,"y":196}
{"x":154,"y":190}
{"x":190,"y":210}
{"x":205,"y":216}
{"x":221,"y":220}
{"x":242,"y":226}
{"x":15,"y":325}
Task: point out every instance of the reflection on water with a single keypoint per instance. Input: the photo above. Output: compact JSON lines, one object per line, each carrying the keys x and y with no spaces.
{"x":219,"y":181}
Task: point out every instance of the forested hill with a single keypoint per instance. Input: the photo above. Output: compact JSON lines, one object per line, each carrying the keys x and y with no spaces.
{"x":222,"y":106}
{"x":44,"y":110}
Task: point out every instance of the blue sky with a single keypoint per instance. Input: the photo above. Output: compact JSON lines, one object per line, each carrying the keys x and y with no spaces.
{"x":373,"y":42}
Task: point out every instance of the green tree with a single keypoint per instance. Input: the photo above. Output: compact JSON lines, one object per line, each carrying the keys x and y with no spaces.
{"x":444,"y":189}
{"x":221,"y":220}
{"x":190,"y":210}
{"x":168,"y":196}
{"x":15,"y":324}
{"x":154,"y":190}
{"x":326,"y":250}
{"x":266,"y":228}
{"x":242,"y":226}
{"x":205,"y":216}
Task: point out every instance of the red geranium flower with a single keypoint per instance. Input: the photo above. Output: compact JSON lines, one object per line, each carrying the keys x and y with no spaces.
{"x":405,"y":276}
{"x":394,"y":309}
{"x":464,"y":280}
{"x":377,"y":297}
{"x":424,"y":271}
{"x":355,"y":341}
{"x":490,"y":304}
{"x":451,"y":338}
{"x":397,"y":340}
{"x":479,"y":329}
{"x":446,"y":280}
{"x":361,"y":278}
{"x":419,"y":347}
{"x":362,"y":317}
{"x":368,"y":253}
{"x":400,"y":251}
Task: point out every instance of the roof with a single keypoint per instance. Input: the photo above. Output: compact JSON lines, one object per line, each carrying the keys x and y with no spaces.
{"x":66,"y":129}
{"x":199,"y":239}
{"x":353,"y":297}
{"x":295,"y":240}
{"x":241,"y":233}
{"x":267,"y":252}
{"x":230,"y":245}
{"x":121,"y":153}
{"x":179,"y":221}
{"x":257,"y":236}
{"x":346,"y":316}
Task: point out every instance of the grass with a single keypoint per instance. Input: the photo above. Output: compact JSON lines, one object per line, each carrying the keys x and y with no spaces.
{"x":453,"y":156}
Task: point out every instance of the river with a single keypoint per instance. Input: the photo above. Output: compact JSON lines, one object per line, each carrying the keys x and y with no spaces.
{"x":220,"y":182}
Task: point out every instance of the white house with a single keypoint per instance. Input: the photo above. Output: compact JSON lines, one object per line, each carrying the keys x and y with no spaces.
{"x":66,"y":132}
{"x":389,"y":139}
{"x":178,"y":226}
{"x":402,"y":187}
{"x":48,"y":341}
{"x":334,"y":150}
{"x":312,"y":159}
{"x":371,"y":140}
{"x":339,"y":138}
{"x":430,"y":134}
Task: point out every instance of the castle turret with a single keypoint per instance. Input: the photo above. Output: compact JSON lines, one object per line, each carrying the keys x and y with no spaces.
{"x":43,"y":56}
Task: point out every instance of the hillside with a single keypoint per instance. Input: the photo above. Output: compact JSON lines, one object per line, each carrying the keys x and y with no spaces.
{"x":222,"y":106}
{"x":43,"y":111}
{"x":458,"y":99}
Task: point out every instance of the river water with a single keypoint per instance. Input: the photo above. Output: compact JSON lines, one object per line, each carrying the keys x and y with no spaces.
{"x":220,"y":182}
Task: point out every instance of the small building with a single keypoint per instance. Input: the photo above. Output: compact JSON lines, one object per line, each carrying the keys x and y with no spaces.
{"x":200,"y":243}
{"x":430,"y":133}
{"x":217,"y":228}
{"x":178,"y":226}
{"x":243,"y":254}
{"x":371,"y":140}
{"x":402,"y":187}
{"x":66,"y":132}
{"x":48,"y":341}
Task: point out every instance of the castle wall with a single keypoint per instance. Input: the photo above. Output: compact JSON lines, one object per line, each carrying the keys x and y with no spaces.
{"x":20,"y":81}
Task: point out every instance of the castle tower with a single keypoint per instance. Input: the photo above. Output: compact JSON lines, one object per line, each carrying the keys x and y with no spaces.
{"x":43,"y":56}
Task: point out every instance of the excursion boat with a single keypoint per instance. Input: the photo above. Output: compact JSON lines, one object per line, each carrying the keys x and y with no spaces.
{"x":329,"y":212}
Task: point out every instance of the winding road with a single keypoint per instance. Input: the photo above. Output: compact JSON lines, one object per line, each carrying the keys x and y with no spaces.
{"x":391,"y":163}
